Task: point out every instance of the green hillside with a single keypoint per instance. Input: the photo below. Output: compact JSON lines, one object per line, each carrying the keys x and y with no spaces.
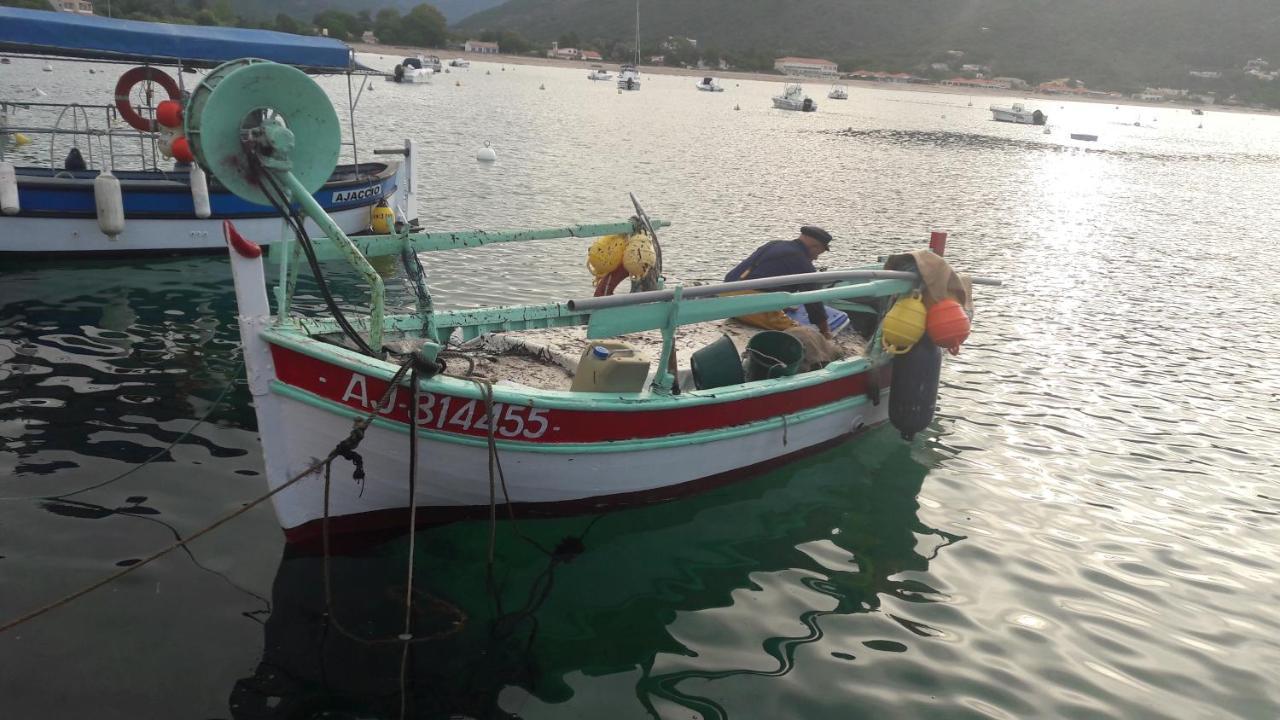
{"x":1103,"y":42}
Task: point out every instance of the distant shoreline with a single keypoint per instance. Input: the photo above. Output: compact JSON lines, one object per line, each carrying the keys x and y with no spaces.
{"x":446,"y":55}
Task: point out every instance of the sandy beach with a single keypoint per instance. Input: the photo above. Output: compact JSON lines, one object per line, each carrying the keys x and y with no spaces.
{"x":445,"y":55}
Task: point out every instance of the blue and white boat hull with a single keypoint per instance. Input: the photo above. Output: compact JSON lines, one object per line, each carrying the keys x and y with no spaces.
{"x":58,"y":216}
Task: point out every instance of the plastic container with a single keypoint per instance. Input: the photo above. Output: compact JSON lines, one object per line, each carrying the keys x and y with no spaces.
{"x":716,"y":365}
{"x":773,"y":354}
{"x":610,"y":366}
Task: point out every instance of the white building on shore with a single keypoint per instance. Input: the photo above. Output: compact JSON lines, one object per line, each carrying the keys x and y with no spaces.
{"x":812,"y":67}
{"x":79,"y":7}
{"x":477,"y":46}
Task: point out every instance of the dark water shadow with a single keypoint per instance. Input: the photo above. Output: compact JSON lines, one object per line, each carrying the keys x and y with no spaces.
{"x":582,"y":595}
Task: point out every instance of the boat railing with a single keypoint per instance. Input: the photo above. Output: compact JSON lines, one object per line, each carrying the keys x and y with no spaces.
{"x":96,"y":124}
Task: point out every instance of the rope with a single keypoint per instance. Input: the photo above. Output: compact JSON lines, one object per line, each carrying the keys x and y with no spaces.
{"x":406,"y":637}
{"x":344,"y":449}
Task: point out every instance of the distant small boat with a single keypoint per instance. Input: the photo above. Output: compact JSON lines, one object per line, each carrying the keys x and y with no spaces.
{"x":47,"y":68}
{"x":1197,"y":111}
{"x":459,"y":63}
{"x":599,"y":73}
{"x":709,"y":84}
{"x":1018,"y":114}
{"x":793,"y":98}
{"x":838,"y":92}
{"x":1084,"y":136}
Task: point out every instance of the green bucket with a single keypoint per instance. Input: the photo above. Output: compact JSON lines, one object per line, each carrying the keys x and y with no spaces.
{"x":773,"y":354}
{"x":716,"y":365}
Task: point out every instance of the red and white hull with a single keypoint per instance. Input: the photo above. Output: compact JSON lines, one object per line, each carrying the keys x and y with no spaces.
{"x":612,"y":458}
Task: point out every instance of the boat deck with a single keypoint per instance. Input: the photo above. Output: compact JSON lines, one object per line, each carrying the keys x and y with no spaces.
{"x":548,"y":358}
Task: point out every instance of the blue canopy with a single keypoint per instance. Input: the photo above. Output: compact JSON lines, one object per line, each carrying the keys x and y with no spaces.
{"x":64,"y":34}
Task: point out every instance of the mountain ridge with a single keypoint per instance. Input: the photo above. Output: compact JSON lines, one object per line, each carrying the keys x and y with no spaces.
{"x":1103,"y":41}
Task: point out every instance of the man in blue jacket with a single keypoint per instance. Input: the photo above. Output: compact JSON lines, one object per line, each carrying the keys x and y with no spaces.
{"x":785,"y":257}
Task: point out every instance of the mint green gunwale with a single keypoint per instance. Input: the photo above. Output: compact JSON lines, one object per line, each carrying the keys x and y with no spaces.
{"x":565,"y":399}
{"x":611,"y":446}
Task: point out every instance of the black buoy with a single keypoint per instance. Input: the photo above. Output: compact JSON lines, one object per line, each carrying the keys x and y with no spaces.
{"x":74,"y":161}
{"x":913,"y":394}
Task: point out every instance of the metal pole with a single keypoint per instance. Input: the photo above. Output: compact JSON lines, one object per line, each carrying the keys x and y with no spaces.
{"x":817,"y":278}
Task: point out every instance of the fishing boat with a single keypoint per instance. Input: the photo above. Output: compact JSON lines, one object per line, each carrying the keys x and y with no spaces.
{"x":599,"y":73}
{"x":460,"y":63}
{"x":838,"y":92}
{"x":1017,"y":113}
{"x":793,"y":98}
{"x":629,"y":74}
{"x":116,"y":178}
{"x":554,"y":408}
{"x":709,"y":84}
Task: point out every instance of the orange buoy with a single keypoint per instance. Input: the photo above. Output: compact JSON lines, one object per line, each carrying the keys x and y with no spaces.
{"x":182,"y":149}
{"x":948,"y":325}
{"x":169,"y":113}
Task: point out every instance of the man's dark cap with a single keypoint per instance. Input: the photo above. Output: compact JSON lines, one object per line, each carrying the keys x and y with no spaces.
{"x":818,"y":234}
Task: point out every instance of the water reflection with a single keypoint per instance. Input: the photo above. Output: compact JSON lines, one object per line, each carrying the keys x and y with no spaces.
{"x":634,"y":596}
{"x":99,"y":357}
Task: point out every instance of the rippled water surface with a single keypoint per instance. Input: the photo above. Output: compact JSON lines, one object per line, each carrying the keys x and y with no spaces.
{"x":1089,"y":529}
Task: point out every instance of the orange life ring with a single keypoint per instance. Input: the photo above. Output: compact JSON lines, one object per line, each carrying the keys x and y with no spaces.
{"x":125,"y":84}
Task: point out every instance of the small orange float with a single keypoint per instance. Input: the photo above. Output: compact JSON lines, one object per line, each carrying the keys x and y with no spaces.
{"x":169,"y":113}
{"x":182,"y":151}
{"x":948,"y":325}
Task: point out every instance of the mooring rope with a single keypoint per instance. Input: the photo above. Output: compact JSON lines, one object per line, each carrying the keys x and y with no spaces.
{"x":344,"y":449}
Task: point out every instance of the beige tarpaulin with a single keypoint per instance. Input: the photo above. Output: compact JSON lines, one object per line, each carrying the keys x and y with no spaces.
{"x":939,"y":280}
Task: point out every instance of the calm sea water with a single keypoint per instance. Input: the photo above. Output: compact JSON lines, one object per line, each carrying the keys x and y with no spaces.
{"x":1091,"y":528}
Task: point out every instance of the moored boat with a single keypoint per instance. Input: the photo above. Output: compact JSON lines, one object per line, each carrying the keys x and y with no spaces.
{"x":629,"y":78}
{"x":629,"y":74}
{"x":599,"y":73}
{"x":1017,"y":113}
{"x":112,"y":188}
{"x":793,"y":98}
{"x":709,"y":84}
{"x":412,"y":70}
{"x":440,"y":400}
{"x":838,"y":92}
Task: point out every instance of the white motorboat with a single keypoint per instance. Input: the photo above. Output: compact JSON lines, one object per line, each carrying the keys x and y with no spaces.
{"x":460,"y":63}
{"x":793,"y":98}
{"x":629,"y":78}
{"x":599,"y":73}
{"x":709,"y":84}
{"x":1016,"y":113}
{"x":838,"y":92}
{"x":413,"y":70}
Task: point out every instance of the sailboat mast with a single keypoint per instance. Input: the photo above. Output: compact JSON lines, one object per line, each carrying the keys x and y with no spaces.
{"x":637,"y":33}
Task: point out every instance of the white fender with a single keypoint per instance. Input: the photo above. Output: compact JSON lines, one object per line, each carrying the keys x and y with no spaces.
{"x":9,"y":203}
{"x":200,"y":191}
{"x":110,"y":204}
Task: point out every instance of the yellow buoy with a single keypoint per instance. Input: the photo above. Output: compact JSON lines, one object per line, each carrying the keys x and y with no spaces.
{"x":639,"y":257}
{"x":382,"y":218}
{"x":605,"y":254}
{"x":903,"y":325}
{"x":19,"y":139}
